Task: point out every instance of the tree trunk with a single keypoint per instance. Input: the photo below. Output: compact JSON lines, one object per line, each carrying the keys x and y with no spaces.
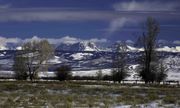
{"x":30,"y":73}
{"x":31,"y":78}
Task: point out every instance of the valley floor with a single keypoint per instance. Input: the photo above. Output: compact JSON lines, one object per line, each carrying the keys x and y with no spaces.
{"x":86,"y":94}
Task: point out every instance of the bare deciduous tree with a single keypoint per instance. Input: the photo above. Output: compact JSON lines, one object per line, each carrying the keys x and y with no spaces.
{"x":119,"y":71}
{"x":149,"y":60}
{"x":37,"y":53}
{"x":162,"y":71}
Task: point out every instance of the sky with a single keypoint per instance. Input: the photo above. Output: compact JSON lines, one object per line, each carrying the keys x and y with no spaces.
{"x":96,"y":20}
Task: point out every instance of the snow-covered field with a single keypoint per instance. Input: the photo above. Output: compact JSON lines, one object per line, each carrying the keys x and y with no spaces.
{"x":89,"y":63}
{"x":173,"y":74}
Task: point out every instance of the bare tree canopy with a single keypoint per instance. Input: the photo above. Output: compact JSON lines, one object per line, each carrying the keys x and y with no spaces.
{"x":119,"y":71}
{"x":37,"y":54}
{"x":149,"y":60}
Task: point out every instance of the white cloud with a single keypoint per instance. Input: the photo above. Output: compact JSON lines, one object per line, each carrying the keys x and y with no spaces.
{"x":177,"y":42}
{"x":146,"y":6}
{"x":65,"y":39}
{"x":95,"y":40}
{"x":72,"y":40}
{"x":47,"y":14}
{"x":58,"y":14}
{"x":4,"y":40}
{"x":34,"y":38}
{"x":144,"y":9}
{"x":117,"y":24}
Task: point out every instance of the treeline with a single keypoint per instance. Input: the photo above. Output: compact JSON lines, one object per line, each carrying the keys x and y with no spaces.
{"x":35,"y":54}
{"x":151,"y":68}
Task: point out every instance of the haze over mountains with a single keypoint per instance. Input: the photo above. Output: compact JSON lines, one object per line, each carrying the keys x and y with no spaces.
{"x":73,"y":44}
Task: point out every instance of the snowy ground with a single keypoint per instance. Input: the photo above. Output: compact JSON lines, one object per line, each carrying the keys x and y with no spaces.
{"x":80,"y":56}
{"x":172,"y":74}
{"x":172,"y":63}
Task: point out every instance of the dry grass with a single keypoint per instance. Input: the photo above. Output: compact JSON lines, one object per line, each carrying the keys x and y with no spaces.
{"x":82,"y":94}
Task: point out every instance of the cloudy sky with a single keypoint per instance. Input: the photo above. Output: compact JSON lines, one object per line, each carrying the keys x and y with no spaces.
{"x":95,"y":20}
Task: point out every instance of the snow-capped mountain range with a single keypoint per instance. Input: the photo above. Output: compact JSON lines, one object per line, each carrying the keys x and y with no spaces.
{"x":87,"y":57}
{"x":90,"y":46}
{"x":79,"y":46}
{"x":10,"y":46}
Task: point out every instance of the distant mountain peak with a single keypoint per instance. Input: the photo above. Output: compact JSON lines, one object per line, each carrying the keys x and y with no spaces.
{"x":79,"y":46}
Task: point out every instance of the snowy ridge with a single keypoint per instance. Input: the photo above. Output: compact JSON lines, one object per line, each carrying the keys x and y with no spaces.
{"x":54,"y":60}
{"x":79,"y":46}
{"x":3,"y":48}
{"x":169,"y":49}
{"x":134,"y":49}
{"x":80,"y":56}
{"x":91,"y":46}
{"x":173,"y":66}
{"x":164,"y":49}
{"x":88,"y":46}
{"x":87,"y":64}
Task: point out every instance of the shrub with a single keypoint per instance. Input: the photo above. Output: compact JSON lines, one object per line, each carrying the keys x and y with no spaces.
{"x":99,"y":75}
{"x":63,"y":73}
{"x":107,"y":78}
{"x":170,"y":100}
{"x":20,"y":68}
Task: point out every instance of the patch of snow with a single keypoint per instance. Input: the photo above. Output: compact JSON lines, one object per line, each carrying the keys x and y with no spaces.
{"x":178,"y":48}
{"x":141,"y":49}
{"x":123,"y":106}
{"x":130,"y":48}
{"x":19,"y":48}
{"x":4,"y":52}
{"x":169,"y":49}
{"x":173,"y":76}
{"x":91,"y":72}
{"x":134,"y":49}
{"x":54,"y":60}
{"x":164,"y":49}
{"x":173,"y":65}
{"x":153,"y":104}
{"x":46,"y":74}
{"x":89,"y":46}
{"x":80,"y":56}
{"x":6,"y":74}
{"x":3,"y":48}
{"x":1,"y":55}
